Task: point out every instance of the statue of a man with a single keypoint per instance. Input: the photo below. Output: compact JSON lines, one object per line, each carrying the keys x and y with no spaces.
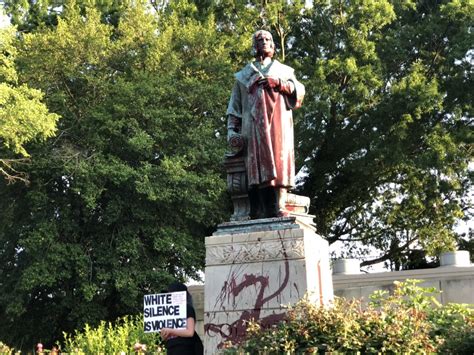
{"x":260,"y":109}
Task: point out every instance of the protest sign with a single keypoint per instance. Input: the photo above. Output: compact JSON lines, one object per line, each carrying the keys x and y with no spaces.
{"x":164,"y":310}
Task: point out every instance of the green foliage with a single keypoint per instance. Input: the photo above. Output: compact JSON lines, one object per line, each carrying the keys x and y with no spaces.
{"x":408,"y":321}
{"x":29,"y":15}
{"x":119,"y":203}
{"x":4,"y":349}
{"x":113,"y":338}
{"x":281,"y":17}
{"x":121,"y":199}
{"x":23,"y":115}
{"x":467,"y":243}
{"x":384,"y":133}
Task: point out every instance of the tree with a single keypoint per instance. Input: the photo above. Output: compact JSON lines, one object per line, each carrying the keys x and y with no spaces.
{"x":28,"y":15}
{"x":23,"y":115}
{"x":466,"y":242}
{"x":384,"y":138}
{"x":120,"y":201}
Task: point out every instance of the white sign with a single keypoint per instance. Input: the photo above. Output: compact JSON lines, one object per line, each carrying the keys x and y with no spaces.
{"x":164,"y":310}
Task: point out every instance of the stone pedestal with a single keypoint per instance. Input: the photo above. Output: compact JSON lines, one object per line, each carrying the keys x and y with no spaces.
{"x":254,"y":268}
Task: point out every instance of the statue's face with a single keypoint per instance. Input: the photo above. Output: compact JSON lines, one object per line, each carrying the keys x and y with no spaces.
{"x":264,"y":45}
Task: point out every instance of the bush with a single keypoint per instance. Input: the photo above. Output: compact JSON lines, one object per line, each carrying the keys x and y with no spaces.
{"x":121,"y":336}
{"x":410,"y":320}
{"x":5,"y":349}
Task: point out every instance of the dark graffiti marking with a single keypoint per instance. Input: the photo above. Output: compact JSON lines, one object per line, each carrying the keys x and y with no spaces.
{"x":232,"y":288}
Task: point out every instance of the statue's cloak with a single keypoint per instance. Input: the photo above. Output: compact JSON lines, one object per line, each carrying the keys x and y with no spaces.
{"x":267,"y":124}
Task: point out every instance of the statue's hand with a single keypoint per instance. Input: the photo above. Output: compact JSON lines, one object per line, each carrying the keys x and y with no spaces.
{"x":270,"y":82}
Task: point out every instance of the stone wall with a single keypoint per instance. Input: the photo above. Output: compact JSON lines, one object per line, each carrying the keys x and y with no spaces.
{"x":455,"y":283}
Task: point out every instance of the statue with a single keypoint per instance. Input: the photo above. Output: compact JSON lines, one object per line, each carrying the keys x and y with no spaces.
{"x":260,"y":122}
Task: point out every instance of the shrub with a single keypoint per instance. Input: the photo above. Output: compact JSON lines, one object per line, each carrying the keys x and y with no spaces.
{"x":5,"y":349}
{"x":113,"y":338}
{"x":410,"y":320}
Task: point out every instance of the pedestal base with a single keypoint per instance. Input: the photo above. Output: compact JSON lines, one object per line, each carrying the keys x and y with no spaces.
{"x":254,"y":268}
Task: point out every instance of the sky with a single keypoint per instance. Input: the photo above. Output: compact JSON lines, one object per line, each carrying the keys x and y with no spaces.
{"x":3,"y":18}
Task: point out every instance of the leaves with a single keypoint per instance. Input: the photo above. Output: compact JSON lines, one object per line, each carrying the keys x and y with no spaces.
{"x":120,"y":336}
{"x":408,"y":320}
{"x":380,"y":136}
{"x":121,"y":199}
{"x":23,"y":115}
{"x":124,"y":193}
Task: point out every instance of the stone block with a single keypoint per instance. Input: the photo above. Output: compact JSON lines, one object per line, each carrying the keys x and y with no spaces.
{"x":257,"y":274}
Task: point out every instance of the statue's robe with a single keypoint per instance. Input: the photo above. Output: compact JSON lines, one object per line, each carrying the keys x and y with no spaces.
{"x":267,"y":124}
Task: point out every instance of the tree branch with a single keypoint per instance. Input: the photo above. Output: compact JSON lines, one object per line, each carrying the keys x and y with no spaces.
{"x":11,"y":174}
{"x":388,"y":255}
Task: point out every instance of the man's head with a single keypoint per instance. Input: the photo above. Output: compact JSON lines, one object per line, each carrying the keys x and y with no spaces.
{"x":263,"y":45}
